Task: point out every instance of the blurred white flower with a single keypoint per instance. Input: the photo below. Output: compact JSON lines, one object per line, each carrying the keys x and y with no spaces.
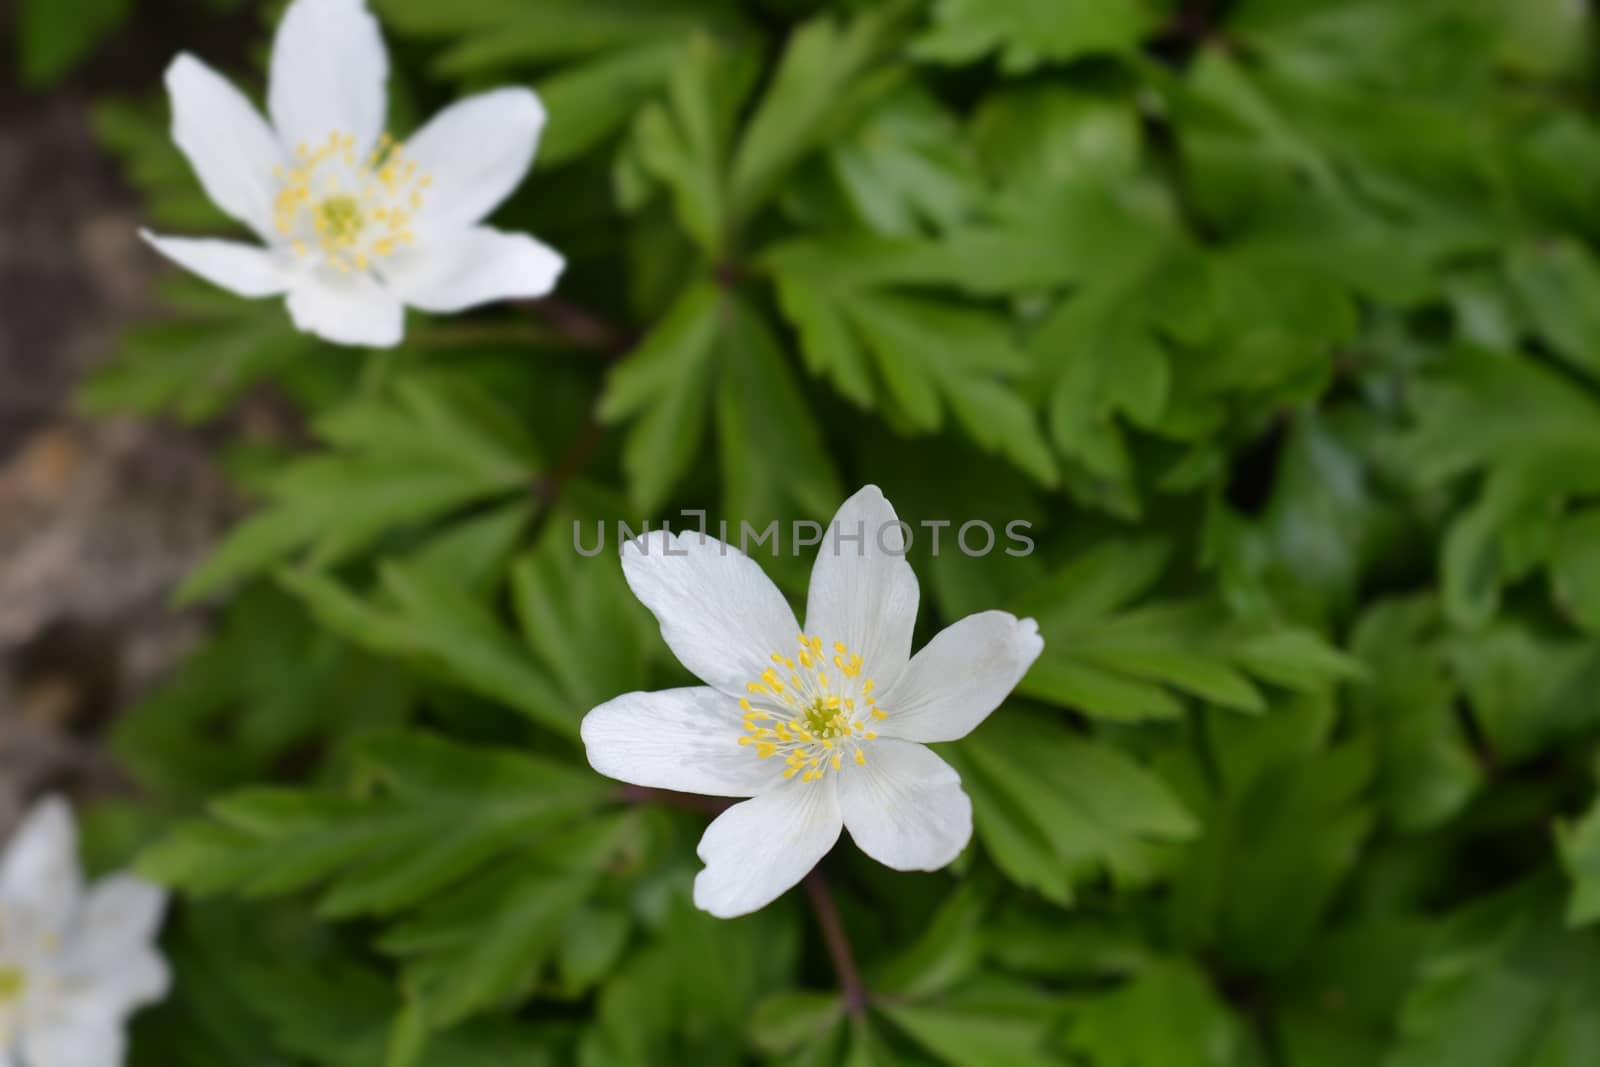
{"x":74,"y":965}
{"x":823,"y":727}
{"x":355,"y":225}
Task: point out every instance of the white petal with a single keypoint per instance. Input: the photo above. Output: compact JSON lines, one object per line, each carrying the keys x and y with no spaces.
{"x":475,"y":152}
{"x":905,"y":807}
{"x":863,"y":592}
{"x":238,"y":268}
{"x":756,"y":850}
{"x":329,"y":67}
{"x":229,"y":145}
{"x":454,"y":270}
{"x":74,"y":1042}
{"x":719,"y":612}
{"x":960,"y":676}
{"x":683,"y":739}
{"x":40,"y":881}
{"x":347,"y":309}
{"x":125,"y":985}
{"x":121,"y":914}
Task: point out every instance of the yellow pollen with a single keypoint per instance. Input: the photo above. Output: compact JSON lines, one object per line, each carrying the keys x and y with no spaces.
{"x":810,"y":719}
{"x":346,"y":208}
{"x":13,"y":983}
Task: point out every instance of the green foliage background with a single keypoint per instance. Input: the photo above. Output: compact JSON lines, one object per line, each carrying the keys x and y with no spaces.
{"x":1280,"y":320}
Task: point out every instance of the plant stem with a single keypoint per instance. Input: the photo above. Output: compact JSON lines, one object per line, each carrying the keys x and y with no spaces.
{"x":838,"y":942}
{"x":641,"y":794}
{"x":548,"y":488}
{"x":580,"y":327}
{"x":853,"y":989}
{"x":589,"y":331}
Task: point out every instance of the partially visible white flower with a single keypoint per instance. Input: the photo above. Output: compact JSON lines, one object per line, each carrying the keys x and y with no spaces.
{"x":824,"y":727}
{"x":74,"y":964}
{"x":355,"y":225}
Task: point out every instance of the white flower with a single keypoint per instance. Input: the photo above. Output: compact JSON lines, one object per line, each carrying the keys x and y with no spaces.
{"x":74,"y":965}
{"x":823,"y":727}
{"x":355,"y":225}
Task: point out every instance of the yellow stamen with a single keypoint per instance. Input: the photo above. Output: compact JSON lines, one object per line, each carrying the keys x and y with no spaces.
{"x":827,"y":714}
{"x":342,"y":203}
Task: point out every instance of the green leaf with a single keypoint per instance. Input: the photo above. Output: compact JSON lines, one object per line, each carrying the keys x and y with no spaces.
{"x":981,"y":1028}
{"x":1167,"y":1014}
{"x":425,"y":447}
{"x":905,"y":166}
{"x":440,"y":830}
{"x":492,"y":36}
{"x":590,"y":102}
{"x":266,"y":684}
{"x":684,"y":141}
{"x":1471,"y":413}
{"x":665,"y":384}
{"x":1503,"y":984}
{"x":1028,"y":33}
{"x":55,"y":35}
{"x":1110,"y":659}
{"x":1575,"y":567}
{"x":784,"y":1022}
{"x":468,"y":804}
{"x":487,"y":942}
{"x":408,"y":1036}
{"x":914,"y":357}
{"x":1559,"y":287}
{"x":1528,"y":690}
{"x":437,"y":627}
{"x":195,"y":369}
{"x":1042,"y":140}
{"x":825,"y":77}
{"x":591,"y":946}
{"x":945,"y":953}
{"x":1427,"y":769}
{"x":1054,"y":808}
{"x":685,"y":992}
{"x":1255,"y":886}
{"x":579,"y":616}
{"x":1533,"y":467}
{"x":773,"y":455}
{"x":1578,"y":841}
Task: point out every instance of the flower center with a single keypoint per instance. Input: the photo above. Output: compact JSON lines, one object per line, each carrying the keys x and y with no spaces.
{"x":813,"y":717}
{"x":12,"y":983}
{"x":340,"y":218}
{"x":346,"y":209}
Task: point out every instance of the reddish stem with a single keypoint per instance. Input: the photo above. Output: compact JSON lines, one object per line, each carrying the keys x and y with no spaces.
{"x":838,"y":942}
{"x":581,"y":327}
{"x":852,"y":988}
{"x":642,"y":794}
{"x":548,"y":488}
